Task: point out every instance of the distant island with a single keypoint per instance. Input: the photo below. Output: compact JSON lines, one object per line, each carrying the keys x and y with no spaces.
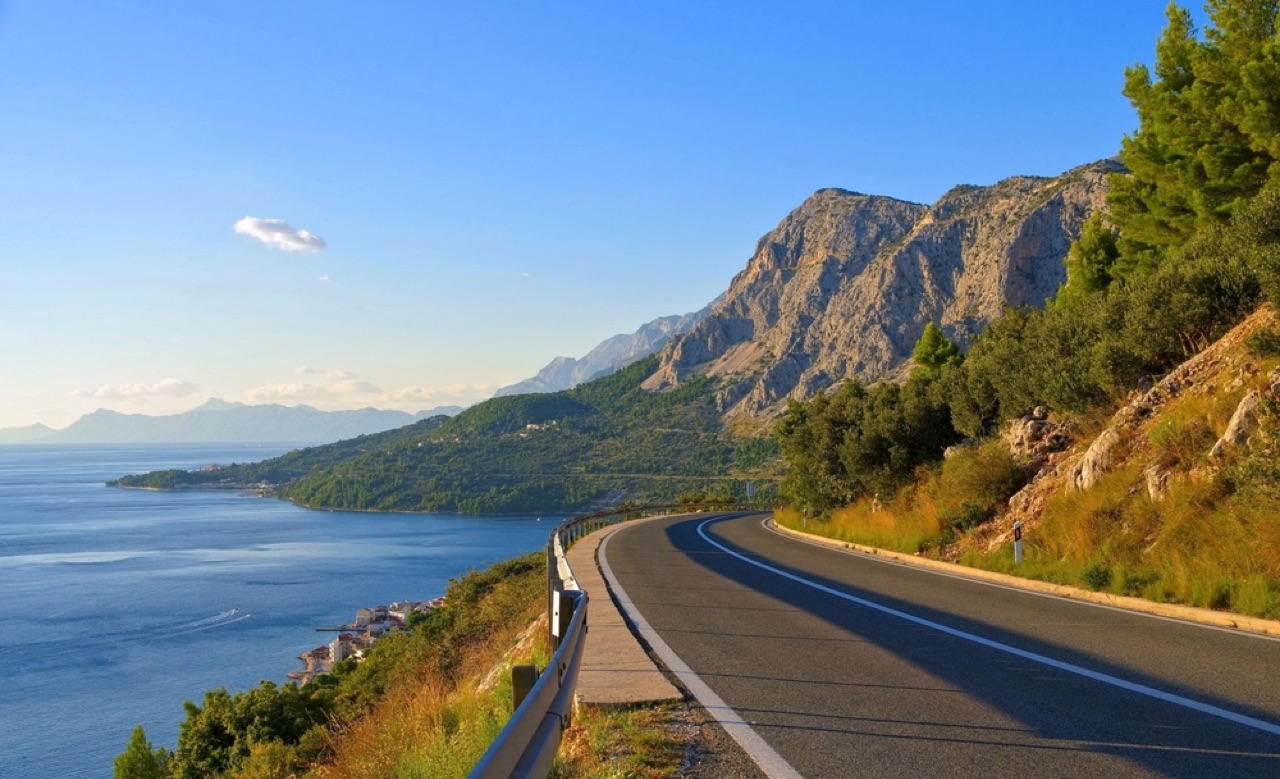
{"x":218,"y":421}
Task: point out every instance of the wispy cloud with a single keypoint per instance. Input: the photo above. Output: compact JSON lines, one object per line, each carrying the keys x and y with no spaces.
{"x":342,"y":387}
{"x":165,"y":388}
{"x":277,"y":234}
{"x":453,"y":394}
{"x":325,"y":280}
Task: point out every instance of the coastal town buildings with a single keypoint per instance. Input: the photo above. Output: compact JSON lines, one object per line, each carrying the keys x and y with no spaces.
{"x":355,"y":638}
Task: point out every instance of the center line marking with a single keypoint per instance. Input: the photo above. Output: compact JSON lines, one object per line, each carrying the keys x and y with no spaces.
{"x":1141,"y":689}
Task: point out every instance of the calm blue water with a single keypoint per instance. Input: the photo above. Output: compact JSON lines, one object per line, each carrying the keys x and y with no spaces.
{"x":116,"y":605}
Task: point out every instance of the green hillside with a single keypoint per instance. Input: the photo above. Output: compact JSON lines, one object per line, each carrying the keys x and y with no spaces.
{"x":607,"y":440}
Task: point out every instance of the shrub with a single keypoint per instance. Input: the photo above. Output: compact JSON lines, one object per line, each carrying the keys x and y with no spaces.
{"x":1264,"y":343}
{"x":1097,"y":576}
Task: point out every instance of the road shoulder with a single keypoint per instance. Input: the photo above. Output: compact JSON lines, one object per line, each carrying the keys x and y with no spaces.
{"x":1218,"y":619}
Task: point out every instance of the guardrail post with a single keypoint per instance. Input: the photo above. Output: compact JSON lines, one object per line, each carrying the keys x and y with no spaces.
{"x":552,"y":575}
{"x":564,"y":614}
{"x":523,"y":677}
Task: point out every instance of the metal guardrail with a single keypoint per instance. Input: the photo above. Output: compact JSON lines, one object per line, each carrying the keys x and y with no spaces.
{"x":544,"y":701}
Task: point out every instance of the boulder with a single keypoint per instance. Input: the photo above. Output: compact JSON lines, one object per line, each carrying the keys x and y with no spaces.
{"x":1098,"y":459}
{"x":1243,"y":422}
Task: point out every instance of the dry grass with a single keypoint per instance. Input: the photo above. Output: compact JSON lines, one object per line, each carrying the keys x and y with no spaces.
{"x":941,"y":503}
{"x":1213,"y":540}
{"x":909,"y":523}
{"x":432,"y":727}
{"x":435,"y":726}
{"x":642,"y":743}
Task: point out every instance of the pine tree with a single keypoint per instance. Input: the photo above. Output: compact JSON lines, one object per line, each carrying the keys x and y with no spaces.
{"x":1209,"y":129}
{"x":933,"y":352}
{"x":1091,"y":260}
{"x":139,"y":760}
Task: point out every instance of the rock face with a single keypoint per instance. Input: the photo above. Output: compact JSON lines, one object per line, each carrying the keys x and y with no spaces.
{"x":1243,"y":422}
{"x":845,"y":285}
{"x":609,"y":355}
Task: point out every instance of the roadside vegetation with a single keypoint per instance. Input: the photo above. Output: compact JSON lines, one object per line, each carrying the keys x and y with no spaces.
{"x":412,"y":707}
{"x":424,"y":703}
{"x":1187,"y":249}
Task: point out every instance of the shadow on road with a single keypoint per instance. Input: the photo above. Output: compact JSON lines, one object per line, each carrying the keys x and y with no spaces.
{"x":1064,"y":712}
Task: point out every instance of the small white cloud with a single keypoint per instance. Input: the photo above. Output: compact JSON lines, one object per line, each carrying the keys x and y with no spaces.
{"x":339,"y":375}
{"x":325,"y":280}
{"x":167,"y":388}
{"x":305,"y":369}
{"x":277,"y":234}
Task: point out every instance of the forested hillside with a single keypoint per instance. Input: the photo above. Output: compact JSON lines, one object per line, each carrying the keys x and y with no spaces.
{"x":604,"y":440}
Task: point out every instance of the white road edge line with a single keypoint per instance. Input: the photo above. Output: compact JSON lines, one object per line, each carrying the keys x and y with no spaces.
{"x":1151,"y":692}
{"x":756,"y":747}
{"x":767,"y":525}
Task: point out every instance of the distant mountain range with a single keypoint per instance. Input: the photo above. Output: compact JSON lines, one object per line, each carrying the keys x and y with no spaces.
{"x":218,"y":421}
{"x":609,"y":355}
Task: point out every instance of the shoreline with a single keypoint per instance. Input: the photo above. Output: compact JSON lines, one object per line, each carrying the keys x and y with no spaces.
{"x":551,"y":515}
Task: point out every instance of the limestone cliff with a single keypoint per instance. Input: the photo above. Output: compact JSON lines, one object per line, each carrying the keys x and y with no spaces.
{"x":845,"y":285}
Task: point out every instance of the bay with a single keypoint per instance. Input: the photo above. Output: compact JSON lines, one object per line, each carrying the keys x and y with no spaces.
{"x":118,"y":605}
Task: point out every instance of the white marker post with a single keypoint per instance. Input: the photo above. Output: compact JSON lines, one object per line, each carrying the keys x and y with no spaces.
{"x":1017,"y":542}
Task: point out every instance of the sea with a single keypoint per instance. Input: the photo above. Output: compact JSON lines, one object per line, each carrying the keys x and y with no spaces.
{"x":118,"y":605}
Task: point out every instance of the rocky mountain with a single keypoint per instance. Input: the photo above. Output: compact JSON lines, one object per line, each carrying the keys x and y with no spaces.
{"x":843,"y":287}
{"x":609,"y":355}
{"x":219,"y":421}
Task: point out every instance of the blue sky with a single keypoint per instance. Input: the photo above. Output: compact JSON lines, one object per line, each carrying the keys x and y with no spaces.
{"x":494,"y":184}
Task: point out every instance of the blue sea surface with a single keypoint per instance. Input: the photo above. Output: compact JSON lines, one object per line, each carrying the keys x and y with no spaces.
{"x":118,"y":605}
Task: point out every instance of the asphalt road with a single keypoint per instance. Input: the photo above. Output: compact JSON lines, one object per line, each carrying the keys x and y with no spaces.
{"x":849,"y":666}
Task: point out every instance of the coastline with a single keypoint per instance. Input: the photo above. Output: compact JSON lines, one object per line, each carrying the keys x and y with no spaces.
{"x":250,"y":488}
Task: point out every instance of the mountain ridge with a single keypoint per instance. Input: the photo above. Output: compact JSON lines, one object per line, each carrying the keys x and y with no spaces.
{"x":220,"y":421}
{"x":610,"y":355}
{"x":843,"y":287}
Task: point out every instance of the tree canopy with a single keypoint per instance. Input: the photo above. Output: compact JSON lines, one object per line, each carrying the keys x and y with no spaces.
{"x":1209,"y":129}
{"x":934,"y":351}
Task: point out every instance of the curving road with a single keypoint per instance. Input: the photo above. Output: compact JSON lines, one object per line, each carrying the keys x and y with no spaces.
{"x":849,"y":666}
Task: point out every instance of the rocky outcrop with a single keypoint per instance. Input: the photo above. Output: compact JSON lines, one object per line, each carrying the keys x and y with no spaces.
{"x":1200,"y":375}
{"x":1224,"y":367}
{"x":1243,"y":422}
{"x":844,"y":286}
{"x":609,"y":355}
{"x":1033,"y":439}
{"x":1098,"y":458}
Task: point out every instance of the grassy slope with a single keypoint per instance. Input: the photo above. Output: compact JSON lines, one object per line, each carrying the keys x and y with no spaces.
{"x":1213,"y":540}
{"x":542,"y":452}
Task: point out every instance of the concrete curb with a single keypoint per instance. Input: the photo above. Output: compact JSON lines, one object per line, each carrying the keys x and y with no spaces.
{"x":1219,"y":619}
{"x":616,"y":671}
